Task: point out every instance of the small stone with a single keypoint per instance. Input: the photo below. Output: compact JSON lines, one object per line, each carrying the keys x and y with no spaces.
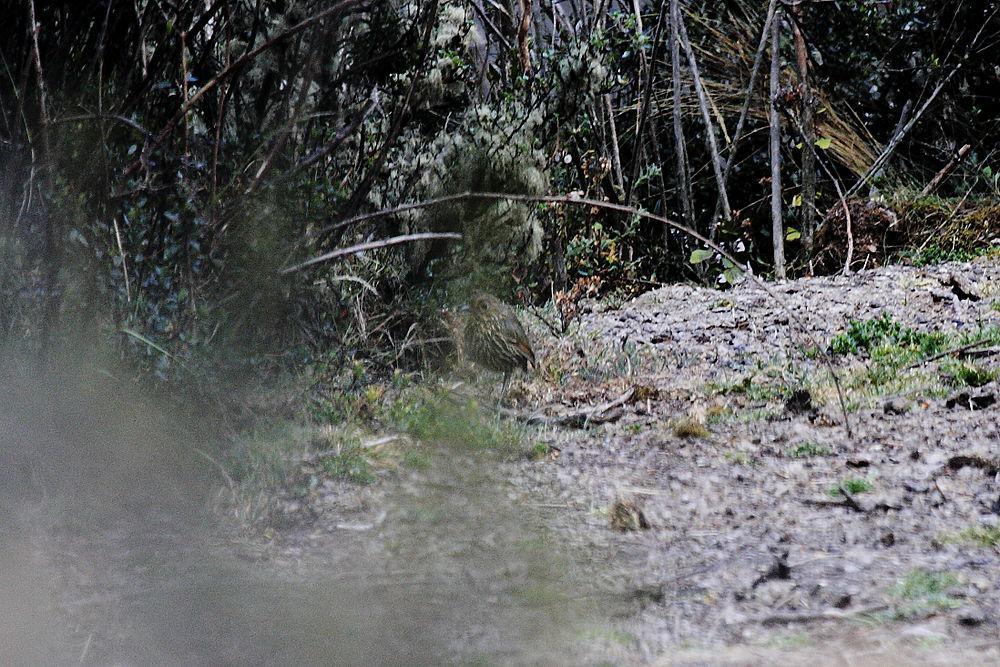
{"x":962,"y":287}
{"x":895,"y":406}
{"x":971,"y":616}
{"x":917,"y":486}
{"x":799,"y":402}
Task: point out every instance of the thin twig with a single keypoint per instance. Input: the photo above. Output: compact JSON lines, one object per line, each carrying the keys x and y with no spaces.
{"x":840,"y":196}
{"x":808,"y":167}
{"x":616,"y":159}
{"x":894,"y":143}
{"x":372,"y":245}
{"x":522,"y":37}
{"x":401,"y":112}
{"x":597,"y":414}
{"x":51,"y":240}
{"x":852,"y":502}
{"x":332,"y":145}
{"x":933,"y":236}
{"x":890,"y":148}
{"x":283,"y":135}
{"x":105,"y":116}
{"x":643,"y":110}
{"x":680,"y":150}
{"x":492,"y":26}
{"x":121,"y":252}
{"x":90,"y":637}
{"x":945,"y":170}
{"x":947,"y":353}
{"x":354,"y":279}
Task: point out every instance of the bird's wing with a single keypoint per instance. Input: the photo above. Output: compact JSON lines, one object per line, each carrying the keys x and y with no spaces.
{"x":514,"y":330}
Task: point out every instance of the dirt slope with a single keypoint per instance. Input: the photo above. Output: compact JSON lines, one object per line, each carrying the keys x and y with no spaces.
{"x":749,"y":540}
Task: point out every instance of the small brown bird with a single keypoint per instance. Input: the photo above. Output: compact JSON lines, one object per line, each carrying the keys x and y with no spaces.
{"x":494,"y":337}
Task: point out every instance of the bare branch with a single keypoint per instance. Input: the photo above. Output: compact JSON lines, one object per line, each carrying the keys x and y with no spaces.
{"x":51,"y":240}
{"x":765,"y":35}
{"x":808,"y":136}
{"x":880,"y":161}
{"x":372,"y":245}
{"x":713,"y":147}
{"x":522,"y":37}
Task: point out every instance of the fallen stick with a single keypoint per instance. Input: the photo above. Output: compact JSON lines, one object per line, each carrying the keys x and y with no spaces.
{"x":970,"y":350}
{"x":851,"y":504}
{"x":825,"y":615}
{"x":598,"y":414}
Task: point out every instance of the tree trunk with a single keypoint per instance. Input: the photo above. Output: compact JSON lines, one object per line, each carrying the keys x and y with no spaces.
{"x":808,"y":138}
{"x":522,"y":37}
{"x":683,"y":178}
{"x":777,"y":228}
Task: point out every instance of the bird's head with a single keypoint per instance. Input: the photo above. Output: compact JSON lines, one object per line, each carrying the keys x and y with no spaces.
{"x":479,"y":304}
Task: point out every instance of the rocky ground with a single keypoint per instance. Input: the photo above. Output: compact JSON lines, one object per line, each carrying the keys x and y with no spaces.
{"x":699,"y":500}
{"x":750,"y":541}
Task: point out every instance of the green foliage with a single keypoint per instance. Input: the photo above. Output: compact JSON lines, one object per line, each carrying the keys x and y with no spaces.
{"x":979,"y":535}
{"x":739,"y":458}
{"x":174,"y":223}
{"x":350,"y":464}
{"x":923,"y":592}
{"x":417,"y":458}
{"x":540,"y":451}
{"x":808,"y":449}
{"x":700,"y":255}
{"x":852,"y":485}
{"x":963,"y":374}
{"x":439,"y":418}
{"x":936,"y":254}
{"x":879,"y":335}
{"x":895,"y":353}
{"x":265,"y":456}
{"x":769,"y":383}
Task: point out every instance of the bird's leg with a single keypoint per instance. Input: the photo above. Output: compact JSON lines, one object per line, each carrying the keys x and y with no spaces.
{"x":503,"y":388}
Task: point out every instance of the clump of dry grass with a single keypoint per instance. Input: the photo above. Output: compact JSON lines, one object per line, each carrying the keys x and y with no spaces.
{"x":690,"y":427}
{"x":626,"y":516}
